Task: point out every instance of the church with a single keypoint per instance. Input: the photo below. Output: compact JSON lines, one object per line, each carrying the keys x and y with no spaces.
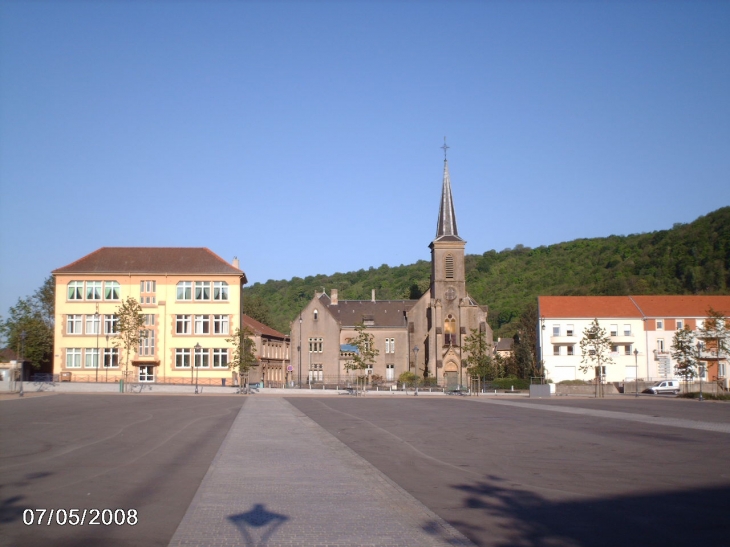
{"x":423,"y":336}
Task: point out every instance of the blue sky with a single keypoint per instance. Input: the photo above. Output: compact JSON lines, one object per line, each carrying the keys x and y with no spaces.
{"x":303,"y":137}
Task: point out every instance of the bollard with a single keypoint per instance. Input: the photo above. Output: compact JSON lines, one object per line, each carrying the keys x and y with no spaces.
{"x":121,"y":386}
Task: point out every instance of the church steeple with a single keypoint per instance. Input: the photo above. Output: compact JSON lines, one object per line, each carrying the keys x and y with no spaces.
{"x":446,"y":227}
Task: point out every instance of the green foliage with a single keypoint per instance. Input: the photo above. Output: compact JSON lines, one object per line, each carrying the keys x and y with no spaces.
{"x":244,"y":356}
{"x":366,"y":353}
{"x":478,"y":352}
{"x":509,"y":383}
{"x":684,"y":353}
{"x":573,"y":383}
{"x":709,"y":396}
{"x":130,"y":322}
{"x":595,"y":349}
{"x":715,"y":333}
{"x":255,"y":307}
{"x":29,"y":328}
{"x":687,"y":259}
{"x":408,"y":378}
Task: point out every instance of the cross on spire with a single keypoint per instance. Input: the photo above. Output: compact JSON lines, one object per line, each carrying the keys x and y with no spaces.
{"x":445,"y":147}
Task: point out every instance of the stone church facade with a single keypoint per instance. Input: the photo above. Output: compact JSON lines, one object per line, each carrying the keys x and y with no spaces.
{"x":424,"y":336}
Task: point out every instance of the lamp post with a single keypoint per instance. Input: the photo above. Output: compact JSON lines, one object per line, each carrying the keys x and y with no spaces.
{"x":22,"y":361}
{"x":415,"y":367}
{"x":636,"y":361}
{"x":106,"y":367}
{"x":195,"y":364}
{"x":299,"y":349}
{"x":97,"y":325}
{"x":699,"y":363}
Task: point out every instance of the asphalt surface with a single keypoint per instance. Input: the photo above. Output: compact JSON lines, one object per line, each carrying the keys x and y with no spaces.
{"x":147,"y":453}
{"x":526,"y":474}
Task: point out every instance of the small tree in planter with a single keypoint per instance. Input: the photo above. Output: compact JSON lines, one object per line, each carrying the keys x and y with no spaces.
{"x":130,"y":322}
{"x":685,"y":353}
{"x":364,"y":357}
{"x":243,"y":355}
{"x":595,"y":347}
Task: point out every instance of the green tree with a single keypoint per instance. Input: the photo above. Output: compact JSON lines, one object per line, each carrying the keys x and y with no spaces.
{"x":479,"y":358}
{"x":595,"y":348}
{"x":244,"y":356}
{"x":684,"y":353}
{"x":257,"y":308}
{"x":715,"y":334}
{"x":364,"y":357}
{"x":524,"y":350}
{"x":29,"y":327}
{"x":130,"y":322}
{"x":408,"y":378}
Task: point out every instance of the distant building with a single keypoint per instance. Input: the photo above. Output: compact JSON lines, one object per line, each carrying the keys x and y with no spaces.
{"x":504,"y":347}
{"x":191,"y":300}
{"x":272,"y":354}
{"x":424,"y":336}
{"x":642,"y":324}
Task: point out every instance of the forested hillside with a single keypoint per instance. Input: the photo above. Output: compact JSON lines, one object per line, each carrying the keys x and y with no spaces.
{"x":688,"y":259}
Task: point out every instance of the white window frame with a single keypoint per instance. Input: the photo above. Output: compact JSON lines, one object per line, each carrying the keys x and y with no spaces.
{"x":660,"y":324}
{"x":93,"y":324}
{"x":571,"y":350}
{"x":74,"y":324}
{"x":680,"y":324}
{"x":660,"y":345}
{"x":627,"y":329}
{"x":556,"y":350}
{"x":556,"y":330}
{"x":182,"y":324}
{"x":110,"y":324}
{"x":389,"y":372}
{"x":220,"y":324}
{"x":202,"y":358}
{"x":202,"y":324}
{"x":146,"y":342}
{"x":182,"y":358}
{"x":94,"y":290}
{"x":112,"y":290}
{"x":111,"y":358}
{"x":146,"y":373}
{"x":614,"y":330}
{"x":569,"y":330}
{"x":184,"y":290}
{"x":202,"y":288}
{"x":220,"y":291}
{"x":91,"y":358}
{"x":220,"y":358}
{"x":73,"y":357}
{"x":75,"y":290}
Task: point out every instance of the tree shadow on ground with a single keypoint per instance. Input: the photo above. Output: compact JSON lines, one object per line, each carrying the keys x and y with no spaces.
{"x":257,"y":525}
{"x":515,"y":517}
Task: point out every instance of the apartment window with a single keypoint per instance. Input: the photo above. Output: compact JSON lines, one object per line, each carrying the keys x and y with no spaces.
{"x":449,"y":266}
{"x":202,"y":324}
{"x":93,"y":290}
{"x":571,"y":350}
{"x":627,"y":350}
{"x":146,"y":373}
{"x":220,"y":358}
{"x":390,"y":345}
{"x":111,"y":358}
{"x":569,"y":330}
{"x":73,"y":324}
{"x":73,"y":357}
{"x":660,"y":324}
{"x":111,"y":290}
{"x":220,"y":290}
{"x":389,"y":373}
{"x":182,"y":358}
{"x":680,"y":324}
{"x":202,"y":290}
{"x":182,"y":324}
{"x":76,"y":290}
{"x":614,"y":348}
{"x":614,"y":330}
{"x":147,"y":287}
{"x":556,"y":330}
{"x":185,"y":290}
{"x":202,"y":356}
{"x":149,"y":319}
{"x":556,"y":350}
{"x":627,"y":330}
{"x":315,"y":345}
{"x":110,"y":324}
{"x":92,"y":357}
{"x":147,"y":342}
{"x":660,"y":345}
{"x":220,"y":324}
{"x":92,"y":324}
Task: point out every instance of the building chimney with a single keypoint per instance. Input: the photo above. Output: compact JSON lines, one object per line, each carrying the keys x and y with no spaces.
{"x":373,"y":295}
{"x":236,"y":263}
{"x":333,"y":297}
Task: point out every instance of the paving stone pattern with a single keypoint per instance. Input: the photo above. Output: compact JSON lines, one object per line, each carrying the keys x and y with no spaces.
{"x":279,"y":479}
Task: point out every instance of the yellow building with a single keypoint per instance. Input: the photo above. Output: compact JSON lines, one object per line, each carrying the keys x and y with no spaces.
{"x":191,"y":299}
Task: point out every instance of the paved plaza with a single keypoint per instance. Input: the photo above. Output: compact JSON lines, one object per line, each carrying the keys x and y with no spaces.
{"x":346,"y":471}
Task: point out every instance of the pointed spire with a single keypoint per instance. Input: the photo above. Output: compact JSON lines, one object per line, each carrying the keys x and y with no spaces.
{"x":446,"y":226}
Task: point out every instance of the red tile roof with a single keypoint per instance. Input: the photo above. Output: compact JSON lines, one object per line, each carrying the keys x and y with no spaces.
{"x":682,"y":306}
{"x":679,"y":306}
{"x":260,"y":328}
{"x":587,"y":306}
{"x":151,"y":260}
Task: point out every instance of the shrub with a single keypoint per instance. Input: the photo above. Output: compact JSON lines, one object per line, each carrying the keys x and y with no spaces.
{"x":574,"y":383}
{"x":508,"y":383}
{"x":709,"y":396}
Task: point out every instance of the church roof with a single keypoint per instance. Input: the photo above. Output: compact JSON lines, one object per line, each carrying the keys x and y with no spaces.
{"x":446,"y":227}
{"x":378,"y":313}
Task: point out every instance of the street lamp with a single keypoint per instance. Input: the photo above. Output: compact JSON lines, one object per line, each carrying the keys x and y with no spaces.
{"x":699,"y":362}
{"x":299,"y":349}
{"x":106,"y":367}
{"x":415,"y":367}
{"x":195,"y":364}
{"x":22,"y":361}
{"x":97,"y":325}
{"x":636,"y":361}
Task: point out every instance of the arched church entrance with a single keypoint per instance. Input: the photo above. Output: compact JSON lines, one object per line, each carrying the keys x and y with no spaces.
{"x":451,"y":375}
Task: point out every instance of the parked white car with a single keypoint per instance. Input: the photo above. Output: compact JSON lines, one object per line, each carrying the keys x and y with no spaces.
{"x":665,"y":386}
